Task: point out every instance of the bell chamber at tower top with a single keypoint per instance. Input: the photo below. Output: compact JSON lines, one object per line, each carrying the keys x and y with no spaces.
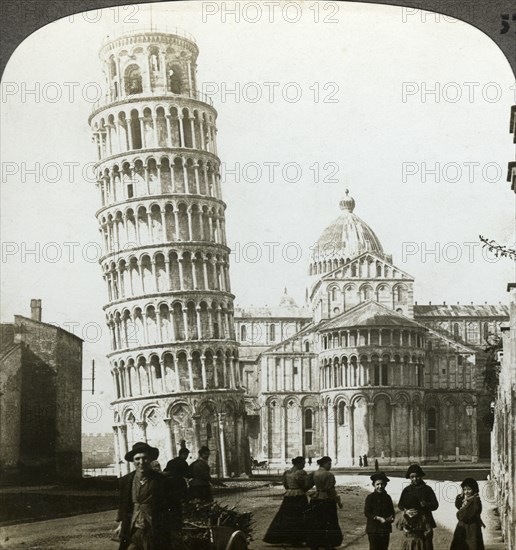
{"x":151,"y":102}
{"x":151,"y":63}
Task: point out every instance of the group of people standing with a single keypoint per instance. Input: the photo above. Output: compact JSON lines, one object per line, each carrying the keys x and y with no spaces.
{"x":298,"y":521}
{"x":150,"y":511}
{"x":315,"y":522}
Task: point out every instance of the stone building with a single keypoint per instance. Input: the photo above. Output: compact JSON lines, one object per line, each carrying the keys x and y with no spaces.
{"x":503,"y":464}
{"x":174,"y":358}
{"x":98,"y":450}
{"x":504,"y":439}
{"x":369,"y":372}
{"x":40,"y":399}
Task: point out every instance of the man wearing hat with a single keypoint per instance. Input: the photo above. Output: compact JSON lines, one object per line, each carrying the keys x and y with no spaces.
{"x":200,"y":473}
{"x":379,"y":511}
{"x":419,"y":499}
{"x":144,"y":503}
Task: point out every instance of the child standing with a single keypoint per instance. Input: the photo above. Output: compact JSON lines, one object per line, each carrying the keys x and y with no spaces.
{"x":416,"y":528}
{"x":468,"y":533}
{"x":379,"y":511}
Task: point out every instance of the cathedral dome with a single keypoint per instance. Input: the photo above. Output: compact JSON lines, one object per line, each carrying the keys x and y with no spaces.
{"x":287,"y":300}
{"x":344,"y":239}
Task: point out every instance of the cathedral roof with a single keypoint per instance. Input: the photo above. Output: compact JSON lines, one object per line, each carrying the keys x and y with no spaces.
{"x":347,"y":237}
{"x":478,"y":310}
{"x":370,"y":314}
{"x":287,"y":308}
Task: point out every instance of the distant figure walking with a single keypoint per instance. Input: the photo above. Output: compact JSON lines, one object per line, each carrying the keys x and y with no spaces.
{"x":376,"y":467}
{"x":360,"y":463}
{"x":309,"y":461}
{"x":365,"y":461}
{"x":323,"y":520}
{"x":468,"y":533}
{"x":417,"y":502}
{"x":379,"y":511}
{"x":288,"y":526}
{"x":176,"y":473}
{"x":179,"y":463}
{"x":200,"y":474}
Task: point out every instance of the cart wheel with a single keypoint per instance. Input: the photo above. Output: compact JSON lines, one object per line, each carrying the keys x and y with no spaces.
{"x":237,"y":541}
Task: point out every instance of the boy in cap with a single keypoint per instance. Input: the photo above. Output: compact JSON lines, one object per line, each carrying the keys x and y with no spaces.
{"x":379,"y":511}
{"x":418,"y":499}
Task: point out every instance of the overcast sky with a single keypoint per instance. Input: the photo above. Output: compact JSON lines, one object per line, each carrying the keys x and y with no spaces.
{"x":350,"y":121}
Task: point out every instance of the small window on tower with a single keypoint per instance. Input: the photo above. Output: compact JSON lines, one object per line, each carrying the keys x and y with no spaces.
{"x":130,"y":192}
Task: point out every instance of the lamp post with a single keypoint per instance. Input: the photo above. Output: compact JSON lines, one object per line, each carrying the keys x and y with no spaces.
{"x":469,"y":412}
{"x":94,"y":454}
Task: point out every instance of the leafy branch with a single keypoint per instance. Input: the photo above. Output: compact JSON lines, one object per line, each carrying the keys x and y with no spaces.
{"x":498,"y":250}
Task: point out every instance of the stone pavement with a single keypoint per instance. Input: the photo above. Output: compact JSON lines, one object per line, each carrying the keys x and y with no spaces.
{"x":94,"y":531}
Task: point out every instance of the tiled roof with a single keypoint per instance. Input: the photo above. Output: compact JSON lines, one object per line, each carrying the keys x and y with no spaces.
{"x":273,"y":312}
{"x":369,"y":314}
{"x":480,"y":310}
{"x":250,"y":353}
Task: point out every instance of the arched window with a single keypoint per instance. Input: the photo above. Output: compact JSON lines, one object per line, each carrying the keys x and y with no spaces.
{"x":243,"y":333}
{"x":341,"y":413}
{"x":385,"y":374}
{"x":272,"y":332}
{"x":419,"y":375}
{"x":486,"y":331}
{"x":456,"y":330}
{"x":174,"y":79}
{"x":133,"y":80}
{"x":431,"y":426}
{"x":333,"y":293}
{"x":376,"y":374}
{"x":209,"y":433}
{"x":307,"y":346}
{"x":367,"y":293}
{"x":308,"y":419}
{"x":309,"y":426}
{"x":157,"y":367}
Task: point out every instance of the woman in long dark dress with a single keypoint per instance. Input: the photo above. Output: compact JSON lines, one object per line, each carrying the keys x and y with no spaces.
{"x":468,"y":533}
{"x":379,"y":511}
{"x":418,"y":499}
{"x":323,"y":520}
{"x":288,"y":526}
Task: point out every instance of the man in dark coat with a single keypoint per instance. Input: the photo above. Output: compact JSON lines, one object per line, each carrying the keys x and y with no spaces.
{"x":200,"y":484}
{"x":379,"y":511}
{"x":176,"y":472}
{"x":144,"y":503}
{"x":179,"y":464}
{"x":419,"y":499}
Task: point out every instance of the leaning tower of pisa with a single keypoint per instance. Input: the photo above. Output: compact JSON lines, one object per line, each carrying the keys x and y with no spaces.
{"x":174,"y":357}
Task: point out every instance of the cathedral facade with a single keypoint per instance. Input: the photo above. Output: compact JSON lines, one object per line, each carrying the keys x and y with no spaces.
{"x":361,"y":369}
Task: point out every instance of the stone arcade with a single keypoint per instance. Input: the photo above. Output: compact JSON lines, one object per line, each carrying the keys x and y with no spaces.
{"x":174,"y":356}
